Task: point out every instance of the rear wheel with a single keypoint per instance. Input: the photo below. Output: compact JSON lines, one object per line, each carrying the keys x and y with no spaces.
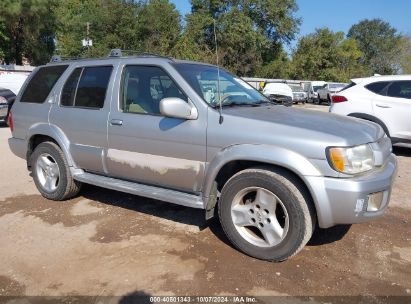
{"x":51,"y":173}
{"x":266,"y":214}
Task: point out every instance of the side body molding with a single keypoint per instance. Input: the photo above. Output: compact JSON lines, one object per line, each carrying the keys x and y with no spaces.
{"x":54,"y":132}
{"x":260,"y":153}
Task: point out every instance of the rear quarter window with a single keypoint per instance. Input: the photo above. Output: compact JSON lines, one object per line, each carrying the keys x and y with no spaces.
{"x":42,"y":83}
{"x":377,"y":87}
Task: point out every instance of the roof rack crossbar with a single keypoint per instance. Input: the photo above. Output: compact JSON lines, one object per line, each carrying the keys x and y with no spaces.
{"x":55,"y":58}
{"x":120,"y":53}
{"x":114,"y":53}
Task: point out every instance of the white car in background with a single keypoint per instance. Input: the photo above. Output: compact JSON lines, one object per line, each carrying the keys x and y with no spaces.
{"x":324,"y":94}
{"x":299,"y":94}
{"x":313,"y":87}
{"x":13,"y":80}
{"x":279,"y":93}
{"x":385,"y":100}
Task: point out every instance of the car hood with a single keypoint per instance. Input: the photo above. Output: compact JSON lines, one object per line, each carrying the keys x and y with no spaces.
{"x":306,"y":131}
{"x":278,"y":91}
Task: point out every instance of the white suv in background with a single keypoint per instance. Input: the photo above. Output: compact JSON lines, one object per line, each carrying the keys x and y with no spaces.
{"x":385,"y":100}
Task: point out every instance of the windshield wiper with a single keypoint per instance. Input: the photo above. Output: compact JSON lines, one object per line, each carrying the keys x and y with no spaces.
{"x":255,"y":103}
{"x":240,"y":103}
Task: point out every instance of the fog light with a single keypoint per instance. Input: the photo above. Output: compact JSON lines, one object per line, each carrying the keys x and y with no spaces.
{"x":374,"y":201}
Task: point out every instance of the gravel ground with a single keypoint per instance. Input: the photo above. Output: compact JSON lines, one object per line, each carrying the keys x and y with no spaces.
{"x":106,"y":243}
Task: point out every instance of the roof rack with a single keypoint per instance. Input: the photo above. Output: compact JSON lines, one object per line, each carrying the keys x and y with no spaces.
{"x":58,"y":58}
{"x":120,"y":53}
{"x":114,"y":53}
{"x":55,"y":58}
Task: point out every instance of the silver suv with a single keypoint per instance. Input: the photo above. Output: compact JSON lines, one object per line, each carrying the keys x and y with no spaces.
{"x":152,"y":126}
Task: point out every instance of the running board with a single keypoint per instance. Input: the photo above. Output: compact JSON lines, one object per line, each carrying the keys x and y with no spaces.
{"x":166,"y":195}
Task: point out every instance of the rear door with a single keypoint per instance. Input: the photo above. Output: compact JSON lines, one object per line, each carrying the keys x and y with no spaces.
{"x":393,"y":107}
{"x":82,"y":112}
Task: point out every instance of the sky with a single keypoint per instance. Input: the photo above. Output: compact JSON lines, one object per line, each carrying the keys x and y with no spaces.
{"x":340,"y":15}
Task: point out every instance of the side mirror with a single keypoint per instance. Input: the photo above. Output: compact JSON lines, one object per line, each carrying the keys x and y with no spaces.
{"x":177,"y":108}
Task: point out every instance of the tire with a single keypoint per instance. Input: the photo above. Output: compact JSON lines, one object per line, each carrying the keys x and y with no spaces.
{"x":243,"y":226}
{"x":329,"y":100}
{"x":51,"y":173}
{"x":317,"y":101}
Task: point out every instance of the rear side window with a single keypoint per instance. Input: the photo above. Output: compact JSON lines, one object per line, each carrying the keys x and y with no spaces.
{"x":400,"y":89}
{"x":352,"y":84}
{"x":377,"y":87}
{"x":42,"y":83}
{"x":86,"y":87}
{"x":69,"y":91}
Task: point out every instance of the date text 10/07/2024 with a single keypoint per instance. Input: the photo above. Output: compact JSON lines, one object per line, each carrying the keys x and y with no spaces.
{"x":201,"y":299}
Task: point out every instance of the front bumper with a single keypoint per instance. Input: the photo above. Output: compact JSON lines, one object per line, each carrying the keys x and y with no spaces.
{"x":346,"y":200}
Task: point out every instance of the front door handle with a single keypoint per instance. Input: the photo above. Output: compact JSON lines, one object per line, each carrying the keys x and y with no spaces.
{"x":116,"y":122}
{"x":383,"y":106}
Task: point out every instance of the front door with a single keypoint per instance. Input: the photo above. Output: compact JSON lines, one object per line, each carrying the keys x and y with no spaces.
{"x":146,"y":147}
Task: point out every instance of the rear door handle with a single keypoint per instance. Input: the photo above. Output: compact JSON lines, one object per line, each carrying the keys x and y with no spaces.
{"x":116,"y":122}
{"x":383,"y":106}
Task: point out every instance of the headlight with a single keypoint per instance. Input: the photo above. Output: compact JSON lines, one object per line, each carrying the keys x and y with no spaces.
{"x":352,"y":160}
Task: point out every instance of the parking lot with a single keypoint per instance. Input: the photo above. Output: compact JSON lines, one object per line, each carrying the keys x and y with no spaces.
{"x":109,"y":243}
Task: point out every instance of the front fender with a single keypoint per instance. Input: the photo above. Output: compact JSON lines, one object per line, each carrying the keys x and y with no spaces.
{"x":54,"y":132}
{"x":260,"y":153}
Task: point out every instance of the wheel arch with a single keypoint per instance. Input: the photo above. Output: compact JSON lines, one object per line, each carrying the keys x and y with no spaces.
{"x":44,"y":132}
{"x":233,"y":159}
{"x":373,"y":119}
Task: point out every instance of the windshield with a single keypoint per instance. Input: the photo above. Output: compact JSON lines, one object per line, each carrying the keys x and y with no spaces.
{"x":233,"y":90}
{"x":337,"y":85}
{"x":296,"y":88}
{"x":316,"y":88}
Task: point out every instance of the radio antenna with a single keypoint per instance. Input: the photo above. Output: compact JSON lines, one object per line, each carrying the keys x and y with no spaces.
{"x":220,"y":106}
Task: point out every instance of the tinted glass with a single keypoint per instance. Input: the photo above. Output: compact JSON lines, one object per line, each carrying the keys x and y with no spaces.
{"x":377,"y":87}
{"x":144,"y":86}
{"x":211,"y":84}
{"x":41,"y":83}
{"x":69,"y":91}
{"x":91,"y":90}
{"x":400,"y":89}
{"x":352,"y":84}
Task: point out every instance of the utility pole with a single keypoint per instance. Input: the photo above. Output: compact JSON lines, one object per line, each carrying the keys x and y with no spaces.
{"x":87,"y":42}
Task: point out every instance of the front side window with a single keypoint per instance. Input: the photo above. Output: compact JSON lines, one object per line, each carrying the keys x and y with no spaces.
{"x":229,"y":89}
{"x":86,"y":87}
{"x":143,"y":87}
{"x":400,"y":89}
{"x":42,"y":83}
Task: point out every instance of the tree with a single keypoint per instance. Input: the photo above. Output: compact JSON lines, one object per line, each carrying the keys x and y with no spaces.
{"x":250,"y":33}
{"x":379,"y":43}
{"x":144,"y":26}
{"x":159,"y":26}
{"x":107,"y":30}
{"x":27,"y":30}
{"x":3,"y":42}
{"x":325,"y":55}
{"x":278,"y":68}
{"x":405,"y":55}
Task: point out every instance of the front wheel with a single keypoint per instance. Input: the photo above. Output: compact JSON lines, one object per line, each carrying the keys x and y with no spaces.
{"x":51,"y":173}
{"x":266,"y":214}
